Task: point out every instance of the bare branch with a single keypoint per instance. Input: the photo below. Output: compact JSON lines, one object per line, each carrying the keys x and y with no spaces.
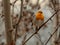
{"x":41,"y":26}
{"x":39,"y":37}
{"x":19,"y":19}
{"x":52,"y":34}
{"x":13,"y":2}
{"x":24,"y":39}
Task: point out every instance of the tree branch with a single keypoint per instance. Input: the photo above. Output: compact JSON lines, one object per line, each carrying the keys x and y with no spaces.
{"x":52,"y":34}
{"x":13,"y":2}
{"x":19,"y":19}
{"x":41,"y":26}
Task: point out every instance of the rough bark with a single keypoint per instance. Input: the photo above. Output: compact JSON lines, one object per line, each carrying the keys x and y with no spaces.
{"x":8,"y":24}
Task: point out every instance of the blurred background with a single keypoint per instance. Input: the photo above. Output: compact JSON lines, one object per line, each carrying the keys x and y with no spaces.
{"x":22,"y":15}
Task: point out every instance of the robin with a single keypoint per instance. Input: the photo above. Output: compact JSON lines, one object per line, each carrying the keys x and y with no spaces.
{"x":38,"y":19}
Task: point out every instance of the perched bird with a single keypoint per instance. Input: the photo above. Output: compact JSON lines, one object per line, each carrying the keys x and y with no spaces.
{"x":38,"y":19}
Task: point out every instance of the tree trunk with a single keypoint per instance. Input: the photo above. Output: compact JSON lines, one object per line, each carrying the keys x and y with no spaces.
{"x":8,"y":24}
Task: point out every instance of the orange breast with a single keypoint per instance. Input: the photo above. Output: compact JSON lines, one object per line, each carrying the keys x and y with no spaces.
{"x":39,"y":16}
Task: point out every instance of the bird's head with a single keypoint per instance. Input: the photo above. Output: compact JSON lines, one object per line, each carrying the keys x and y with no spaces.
{"x":39,"y":15}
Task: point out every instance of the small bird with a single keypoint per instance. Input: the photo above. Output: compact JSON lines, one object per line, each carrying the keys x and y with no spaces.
{"x":38,"y":19}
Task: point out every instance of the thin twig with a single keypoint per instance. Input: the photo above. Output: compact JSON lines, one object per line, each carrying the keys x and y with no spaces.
{"x":19,"y":19}
{"x":24,"y":39}
{"x":41,"y":26}
{"x":52,"y":34}
{"x":39,"y":38}
{"x":13,"y":2}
